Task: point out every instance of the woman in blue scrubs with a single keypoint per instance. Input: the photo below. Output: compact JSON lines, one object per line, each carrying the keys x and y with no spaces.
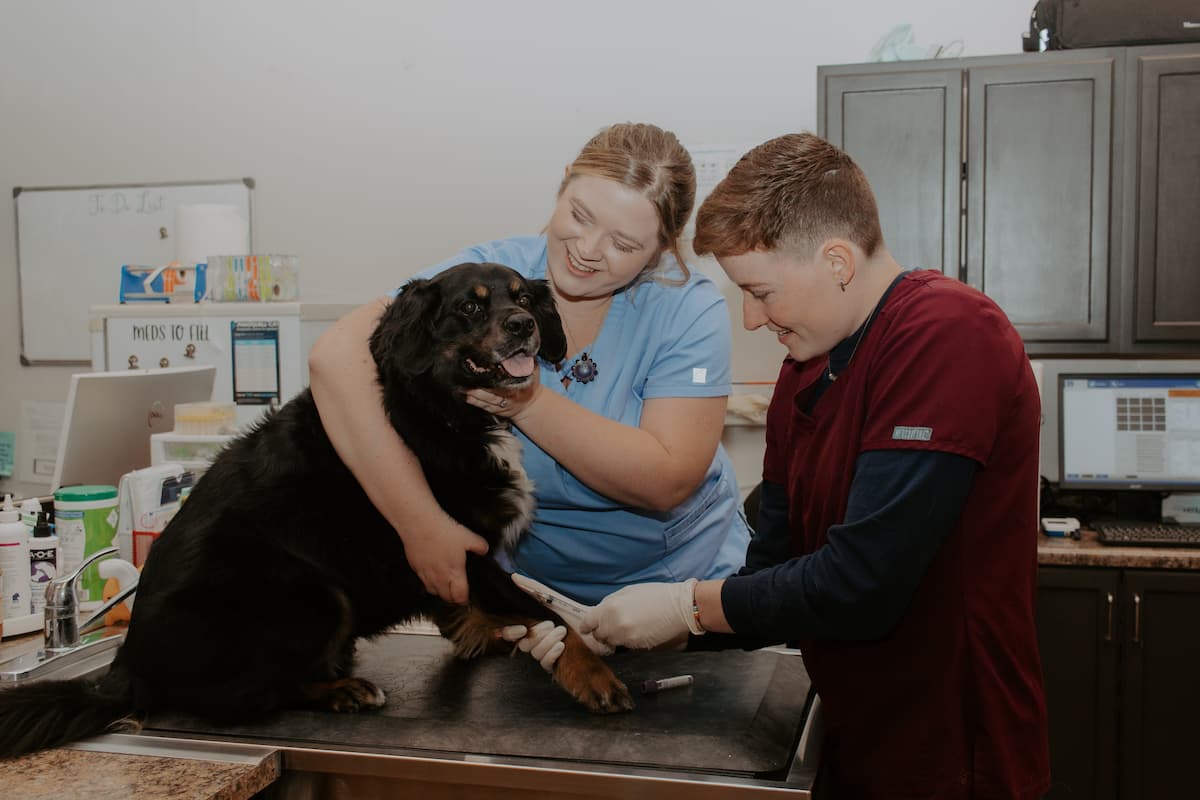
{"x":622,"y":438}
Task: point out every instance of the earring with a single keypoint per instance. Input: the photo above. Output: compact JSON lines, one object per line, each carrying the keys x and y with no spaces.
{"x":842,"y":284}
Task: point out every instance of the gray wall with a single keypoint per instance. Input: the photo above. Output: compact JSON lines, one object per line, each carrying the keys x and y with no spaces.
{"x":385,"y":135}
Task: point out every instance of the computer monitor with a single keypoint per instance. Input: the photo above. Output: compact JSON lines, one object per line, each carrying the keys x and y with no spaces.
{"x":1129,"y":431}
{"x":110,"y":416}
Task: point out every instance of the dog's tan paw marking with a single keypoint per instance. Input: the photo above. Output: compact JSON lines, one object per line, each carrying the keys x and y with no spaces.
{"x":589,"y":680}
{"x":605,"y":695}
{"x":601,"y":693}
{"x":349,"y":695}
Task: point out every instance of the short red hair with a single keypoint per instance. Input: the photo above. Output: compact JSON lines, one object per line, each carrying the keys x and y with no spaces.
{"x":792,"y":193}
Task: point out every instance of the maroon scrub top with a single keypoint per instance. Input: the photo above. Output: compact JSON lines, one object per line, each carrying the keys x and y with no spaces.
{"x":951,"y":703}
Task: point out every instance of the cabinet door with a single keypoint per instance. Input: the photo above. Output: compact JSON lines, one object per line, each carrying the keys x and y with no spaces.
{"x":1161,"y":684}
{"x":1039,"y":156}
{"x":1077,"y":638}
{"x":1166,"y":272}
{"x":905,"y":130}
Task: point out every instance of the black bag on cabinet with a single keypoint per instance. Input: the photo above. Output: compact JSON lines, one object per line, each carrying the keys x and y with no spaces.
{"x":1104,"y":23}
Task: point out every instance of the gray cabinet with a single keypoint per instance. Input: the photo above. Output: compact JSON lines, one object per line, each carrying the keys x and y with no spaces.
{"x":1039,"y":158}
{"x":1078,"y":640}
{"x":1120,"y":655}
{"x":1064,"y":185}
{"x":1160,"y":697}
{"x":1162,"y":208}
{"x":905,"y":130}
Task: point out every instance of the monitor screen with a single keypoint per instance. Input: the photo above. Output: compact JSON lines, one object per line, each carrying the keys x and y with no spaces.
{"x":111,"y":415}
{"x":1129,"y":431}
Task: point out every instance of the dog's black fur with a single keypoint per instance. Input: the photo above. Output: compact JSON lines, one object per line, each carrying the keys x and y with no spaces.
{"x":253,"y":597}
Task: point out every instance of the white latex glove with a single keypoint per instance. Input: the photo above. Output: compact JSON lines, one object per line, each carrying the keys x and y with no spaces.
{"x":645,"y":615}
{"x":543,"y":641}
{"x":572,"y":612}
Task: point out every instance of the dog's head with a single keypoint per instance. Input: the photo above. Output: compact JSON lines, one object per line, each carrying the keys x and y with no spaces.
{"x":470,"y":326}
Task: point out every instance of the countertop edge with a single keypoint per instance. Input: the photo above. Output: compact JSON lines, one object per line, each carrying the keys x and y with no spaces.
{"x":1087,"y":551}
{"x":114,"y":764}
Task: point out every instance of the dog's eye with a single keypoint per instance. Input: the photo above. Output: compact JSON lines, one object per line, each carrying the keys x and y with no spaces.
{"x":469,"y":307}
{"x":524,"y":301}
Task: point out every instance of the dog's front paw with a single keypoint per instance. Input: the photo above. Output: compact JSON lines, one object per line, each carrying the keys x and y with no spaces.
{"x":346,"y":695}
{"x":589,"y":680}
{"x":601,"y":693}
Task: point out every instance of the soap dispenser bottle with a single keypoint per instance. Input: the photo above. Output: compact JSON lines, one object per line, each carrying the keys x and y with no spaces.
{"x":43,"y":561}
{"x":14,"y":561}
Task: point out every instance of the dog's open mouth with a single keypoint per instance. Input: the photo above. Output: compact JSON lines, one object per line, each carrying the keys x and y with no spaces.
{"x":519,"y":365}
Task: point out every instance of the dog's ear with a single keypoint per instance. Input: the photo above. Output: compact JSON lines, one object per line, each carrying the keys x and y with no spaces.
{"x":554,"y":341}
{"x":404,"y":337}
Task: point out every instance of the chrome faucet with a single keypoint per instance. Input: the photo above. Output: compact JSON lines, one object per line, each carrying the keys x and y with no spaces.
{"x":63,"y":627}
{"x":69,"y":650}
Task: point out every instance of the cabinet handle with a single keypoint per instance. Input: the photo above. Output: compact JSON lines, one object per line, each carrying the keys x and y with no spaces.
{"x":1137,"y":618}
{"x":1108,"y":633}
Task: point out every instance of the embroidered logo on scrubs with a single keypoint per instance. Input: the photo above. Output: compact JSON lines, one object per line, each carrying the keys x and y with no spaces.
{"x":699,"y":375}
{"x":907,"y":433}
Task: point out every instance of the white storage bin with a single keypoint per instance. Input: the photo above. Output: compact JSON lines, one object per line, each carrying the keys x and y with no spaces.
{"x":195,"y":451}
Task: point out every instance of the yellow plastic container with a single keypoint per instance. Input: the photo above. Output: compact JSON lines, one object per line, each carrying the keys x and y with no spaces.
{"x":205,"y":418}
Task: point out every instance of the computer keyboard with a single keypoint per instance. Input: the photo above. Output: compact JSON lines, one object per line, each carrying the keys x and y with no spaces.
{"x":1147,"y":534}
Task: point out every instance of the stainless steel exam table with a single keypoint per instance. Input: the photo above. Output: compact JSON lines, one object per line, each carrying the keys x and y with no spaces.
{"x":497,"y":727}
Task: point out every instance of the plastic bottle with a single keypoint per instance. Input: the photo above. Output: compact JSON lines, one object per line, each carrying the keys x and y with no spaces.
{"x":85,"y":518}
{"x":14,"y":560}
{"x":43,"y":562}
{"x":30,"y":507}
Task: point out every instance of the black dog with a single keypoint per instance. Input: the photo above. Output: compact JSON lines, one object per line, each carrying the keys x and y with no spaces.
{"x":253,"y":597}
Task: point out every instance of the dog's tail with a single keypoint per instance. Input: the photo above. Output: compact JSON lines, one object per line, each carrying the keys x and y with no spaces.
{"x":52,"y":713}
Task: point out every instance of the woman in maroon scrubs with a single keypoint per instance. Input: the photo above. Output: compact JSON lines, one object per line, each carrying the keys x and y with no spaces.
{"x":896,"y":543}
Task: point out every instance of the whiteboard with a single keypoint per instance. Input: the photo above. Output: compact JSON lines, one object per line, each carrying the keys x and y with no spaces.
{"x":73,"y":240}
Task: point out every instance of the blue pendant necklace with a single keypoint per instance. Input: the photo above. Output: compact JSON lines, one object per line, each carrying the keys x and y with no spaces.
{"x":584,"y":368}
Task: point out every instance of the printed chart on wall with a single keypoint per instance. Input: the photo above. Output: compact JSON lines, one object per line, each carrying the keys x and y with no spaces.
{"x":255,"y":362}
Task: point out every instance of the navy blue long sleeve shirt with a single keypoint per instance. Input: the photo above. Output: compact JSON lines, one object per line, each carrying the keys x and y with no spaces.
{"x":857,"y":586}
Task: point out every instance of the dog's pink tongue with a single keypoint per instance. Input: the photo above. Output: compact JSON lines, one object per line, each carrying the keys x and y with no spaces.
{"x":518,"y":366}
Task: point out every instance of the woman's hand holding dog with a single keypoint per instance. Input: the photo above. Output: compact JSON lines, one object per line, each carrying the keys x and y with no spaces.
{"x":510,"y":405}
{"x":438,"y":554}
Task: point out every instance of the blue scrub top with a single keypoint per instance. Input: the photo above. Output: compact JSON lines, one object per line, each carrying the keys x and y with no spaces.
{"x":658,"y":340}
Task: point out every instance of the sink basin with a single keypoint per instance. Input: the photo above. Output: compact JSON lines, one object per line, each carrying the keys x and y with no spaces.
{"x":89,"y":659}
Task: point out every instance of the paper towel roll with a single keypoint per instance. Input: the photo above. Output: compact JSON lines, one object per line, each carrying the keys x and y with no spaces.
{"x":209,"y":229}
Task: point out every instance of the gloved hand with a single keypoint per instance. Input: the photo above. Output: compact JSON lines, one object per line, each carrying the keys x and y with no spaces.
{"x":572,"y":612}
{"x":543,"y":641}
{"x":644,"y":615}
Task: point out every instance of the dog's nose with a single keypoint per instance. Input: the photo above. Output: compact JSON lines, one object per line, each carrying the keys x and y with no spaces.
{"x":519,"y":324}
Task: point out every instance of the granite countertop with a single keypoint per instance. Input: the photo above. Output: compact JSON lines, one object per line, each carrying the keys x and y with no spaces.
{"x":108,"y":773}
{"x":1088,"y":552}
{"x":123,"y":766}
